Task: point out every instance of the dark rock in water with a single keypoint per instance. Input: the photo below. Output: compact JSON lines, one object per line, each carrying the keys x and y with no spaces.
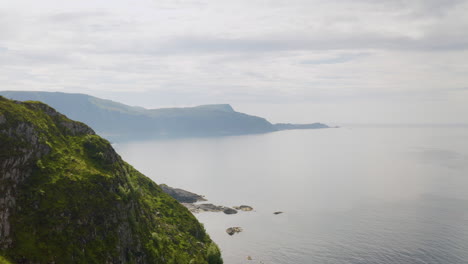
{"x":208,"y":207}
{"x":211,"y":207}
{"x":228,"y":210}
{"x":245,"y":208}
{"x":277,"y":213}
{"x":182,"y":196}
{"x":233,"y":230}
{"x":197,"y":208}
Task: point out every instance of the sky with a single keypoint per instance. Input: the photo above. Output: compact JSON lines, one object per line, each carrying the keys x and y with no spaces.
{"x":332,"y":61}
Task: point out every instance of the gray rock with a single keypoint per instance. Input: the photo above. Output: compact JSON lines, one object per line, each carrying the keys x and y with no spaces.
{"x":245,"y":208}
{"x":228,"y":210}
{"x":233,"y":230}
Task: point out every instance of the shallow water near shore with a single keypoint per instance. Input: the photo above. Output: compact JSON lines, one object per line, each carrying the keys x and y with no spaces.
{"x":349,"y":195}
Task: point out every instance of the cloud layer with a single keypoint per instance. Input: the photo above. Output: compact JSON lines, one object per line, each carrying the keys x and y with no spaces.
{"x":329,"y":60}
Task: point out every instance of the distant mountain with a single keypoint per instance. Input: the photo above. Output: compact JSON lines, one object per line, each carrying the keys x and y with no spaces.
{"x":116,"y":121}
{"x":287,"y":126}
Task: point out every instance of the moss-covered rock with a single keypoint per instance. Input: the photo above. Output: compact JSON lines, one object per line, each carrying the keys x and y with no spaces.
{"x":4,"y":261}
{"x":67,"y":197}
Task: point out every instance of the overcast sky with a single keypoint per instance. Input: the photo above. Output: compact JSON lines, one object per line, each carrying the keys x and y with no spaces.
{"x":334,"y":61}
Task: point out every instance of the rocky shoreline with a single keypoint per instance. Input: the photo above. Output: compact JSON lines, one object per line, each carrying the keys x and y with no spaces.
{"x":190,"y":199}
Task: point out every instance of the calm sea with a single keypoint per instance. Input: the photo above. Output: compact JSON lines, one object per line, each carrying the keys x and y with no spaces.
{"x":349,"y":195}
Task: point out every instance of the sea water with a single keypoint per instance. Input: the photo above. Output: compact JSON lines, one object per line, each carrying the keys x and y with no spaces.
{"x":348,"y":195}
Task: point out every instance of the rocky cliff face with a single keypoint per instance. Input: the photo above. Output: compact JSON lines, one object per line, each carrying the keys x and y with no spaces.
{"x":67,"y":197}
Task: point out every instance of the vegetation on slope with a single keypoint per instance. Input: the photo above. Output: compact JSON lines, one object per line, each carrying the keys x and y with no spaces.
{"x":4,"y":261}
{"x":67,"y":197}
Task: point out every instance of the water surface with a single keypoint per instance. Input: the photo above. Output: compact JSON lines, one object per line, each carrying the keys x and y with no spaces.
{"x":349,"y":195}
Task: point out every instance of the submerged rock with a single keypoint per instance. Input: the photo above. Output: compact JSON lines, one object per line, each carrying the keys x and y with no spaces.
{"x":244,"y":208}
{"x":233,"y":230}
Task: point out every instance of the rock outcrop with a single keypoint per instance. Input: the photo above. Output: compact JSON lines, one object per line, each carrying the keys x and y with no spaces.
{"x":228,"y":210}
{"x":244,"y":208}
{"x":233,"y":230}
{"x":182,"y":196}
{"x":208,"y":207}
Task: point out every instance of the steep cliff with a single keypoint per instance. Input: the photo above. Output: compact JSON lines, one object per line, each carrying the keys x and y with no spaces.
{"x":67,"y":197}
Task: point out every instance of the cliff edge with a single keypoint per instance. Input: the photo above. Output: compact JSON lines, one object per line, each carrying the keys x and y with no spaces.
{"x":67,"y":197}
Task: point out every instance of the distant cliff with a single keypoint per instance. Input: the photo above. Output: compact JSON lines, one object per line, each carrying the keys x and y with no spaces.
{"x":67,"y":197}
{"x":118,"y":121}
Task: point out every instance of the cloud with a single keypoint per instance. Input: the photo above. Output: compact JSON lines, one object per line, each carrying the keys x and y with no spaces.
{"x":341,"y":58}
{"x":191,"y":52}
{"x":32,"y":57}
{"x":74,"y":16}
{"x":317,"y":42}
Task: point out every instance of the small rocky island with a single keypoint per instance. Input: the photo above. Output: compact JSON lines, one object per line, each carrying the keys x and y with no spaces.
{"x":233,"y":230}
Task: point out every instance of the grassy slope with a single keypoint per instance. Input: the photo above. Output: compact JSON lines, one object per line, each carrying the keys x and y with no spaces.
{"x":82,"y":203}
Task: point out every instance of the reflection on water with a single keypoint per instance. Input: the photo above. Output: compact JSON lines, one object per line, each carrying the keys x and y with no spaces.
{"x":360,"y":195}
{"x":444,"y":157}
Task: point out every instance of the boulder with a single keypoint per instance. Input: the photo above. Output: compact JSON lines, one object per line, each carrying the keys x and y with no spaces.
{"x":228,"y":210}
{"x":244,"y":208}
{"x":233,"y":230}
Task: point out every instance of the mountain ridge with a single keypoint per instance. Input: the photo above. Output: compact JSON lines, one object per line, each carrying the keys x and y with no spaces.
{"x":117,"y":121}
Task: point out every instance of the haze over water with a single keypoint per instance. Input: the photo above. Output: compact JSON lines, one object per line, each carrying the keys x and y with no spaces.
{"x":349,"y":195}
